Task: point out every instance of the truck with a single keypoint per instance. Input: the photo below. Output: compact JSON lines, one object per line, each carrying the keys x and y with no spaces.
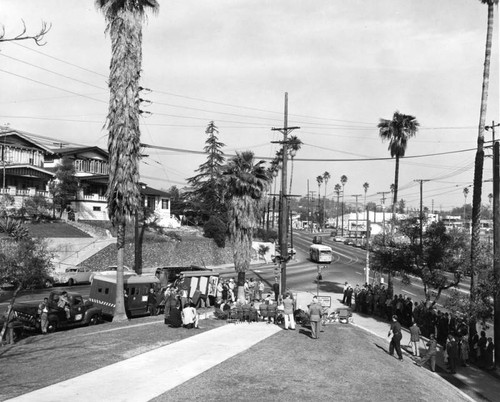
{"x":81,"y":312}
{"x":136,"y":290}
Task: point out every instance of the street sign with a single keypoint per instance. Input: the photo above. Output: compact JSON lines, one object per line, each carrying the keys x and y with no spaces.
{"x":325,"y":301}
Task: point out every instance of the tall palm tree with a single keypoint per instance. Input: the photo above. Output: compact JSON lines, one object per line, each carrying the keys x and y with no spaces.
{"x":466,"y":193}
{"x":294,"y":145}
{"x":478,"y":177}
{"x":366,"y":185}
{"x":337,"y":189}
{"x":326,"y":177}
{"x":246,"y":182}
{"x":343,"y":180}
{"x":124,"y":20}
{"x":319,"y":180}
{"x":397,"y":131}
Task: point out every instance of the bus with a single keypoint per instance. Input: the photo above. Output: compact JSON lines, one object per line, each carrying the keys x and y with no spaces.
{"x":320,"y":253}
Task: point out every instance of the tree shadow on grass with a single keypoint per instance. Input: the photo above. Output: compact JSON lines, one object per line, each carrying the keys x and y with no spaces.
{"x":331,"y":287}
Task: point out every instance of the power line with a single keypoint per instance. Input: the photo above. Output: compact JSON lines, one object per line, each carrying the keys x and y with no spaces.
{"x":52,"y":72}
{"x":59,"y":60}
{"x":52,"y":86}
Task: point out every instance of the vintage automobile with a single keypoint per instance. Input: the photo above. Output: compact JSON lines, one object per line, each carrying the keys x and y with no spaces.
{"x":73,"y":276}
{"x":77,"y":312}
{"x":111,"y":270}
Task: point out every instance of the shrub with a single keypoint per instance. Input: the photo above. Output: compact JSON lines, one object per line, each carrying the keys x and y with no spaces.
{"x":266,"y":235}
{"x":216,"y":229}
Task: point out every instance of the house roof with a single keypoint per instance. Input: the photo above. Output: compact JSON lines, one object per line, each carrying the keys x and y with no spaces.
{"x":78,"y":150}
{"x":29,"y":138}
{"x":145,"y":190}
{"x":27,"y":170}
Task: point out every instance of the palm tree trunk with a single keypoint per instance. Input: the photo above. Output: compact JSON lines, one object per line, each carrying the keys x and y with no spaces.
{"x":479,"y":162}
{"x":120,"y":314}
{"x":396,"y":179}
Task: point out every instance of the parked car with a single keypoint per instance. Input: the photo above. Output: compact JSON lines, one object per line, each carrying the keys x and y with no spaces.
{"x":72,"y":276}
{"x":111,"y":270}
{"x":339,"y":239}
{"x":317,"y":240}
{"x":349,"y":242}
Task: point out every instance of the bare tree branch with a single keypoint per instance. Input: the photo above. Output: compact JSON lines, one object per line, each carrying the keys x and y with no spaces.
{"x":38,"y":37}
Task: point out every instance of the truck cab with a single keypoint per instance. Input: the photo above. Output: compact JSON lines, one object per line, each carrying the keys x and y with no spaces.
{"x":76,"y":312}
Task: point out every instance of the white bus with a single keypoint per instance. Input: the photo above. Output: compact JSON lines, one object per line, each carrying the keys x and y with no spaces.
{"x":320,"y":253}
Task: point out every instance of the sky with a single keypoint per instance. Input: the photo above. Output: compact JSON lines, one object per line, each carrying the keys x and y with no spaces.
{"x":344,"y":64}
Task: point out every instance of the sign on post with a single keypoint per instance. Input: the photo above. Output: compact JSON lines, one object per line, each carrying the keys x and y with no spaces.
{"x":325,"y":301}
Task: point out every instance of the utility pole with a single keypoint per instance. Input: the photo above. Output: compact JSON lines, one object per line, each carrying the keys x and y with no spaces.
{"x":383,"y":210}
{"x":389,"y":282}
{"x":308,"y":206}
{"x":367,"y":268}
{"x":496,"y":240}
{"x":283,"y":213}
{"x":356,"y":196}
{"x":421,"y":181}
{"x":311,"y":192}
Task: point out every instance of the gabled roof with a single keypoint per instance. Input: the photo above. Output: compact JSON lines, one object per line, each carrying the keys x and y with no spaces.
{"x":79,"y":150}
{"x":27,"y":170}
{"x":6,"y":132}
{"x":145,"y":190}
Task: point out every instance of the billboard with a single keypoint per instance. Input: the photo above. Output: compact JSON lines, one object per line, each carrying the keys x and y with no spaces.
{"x":356,"y":226}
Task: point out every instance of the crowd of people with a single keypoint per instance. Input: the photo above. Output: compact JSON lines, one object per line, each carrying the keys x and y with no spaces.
{"x":448,"y":330}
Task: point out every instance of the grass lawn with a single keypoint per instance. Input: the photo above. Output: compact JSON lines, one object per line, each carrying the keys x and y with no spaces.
{"x":346,"y":364}
{"x":54,"y":229}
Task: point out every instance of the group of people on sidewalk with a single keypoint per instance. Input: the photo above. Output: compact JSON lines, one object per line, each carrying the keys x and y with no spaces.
{"x":457,"y":347}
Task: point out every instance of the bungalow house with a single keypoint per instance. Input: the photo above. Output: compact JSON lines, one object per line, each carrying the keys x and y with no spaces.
{"x":23,"y":167}
{"x":28,"y":167}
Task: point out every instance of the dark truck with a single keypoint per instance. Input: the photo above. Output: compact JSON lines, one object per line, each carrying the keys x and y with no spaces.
{"x":81,"y":313}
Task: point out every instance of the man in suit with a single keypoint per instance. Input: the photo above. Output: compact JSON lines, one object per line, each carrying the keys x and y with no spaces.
{"x":315,"y":312}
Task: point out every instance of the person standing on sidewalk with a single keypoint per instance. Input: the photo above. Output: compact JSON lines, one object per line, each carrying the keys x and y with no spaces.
{"x":288,"y":313}
{"x":452,"y":350}
{"x":415,"y":339}
{"x":315,"y":311}
{"x":431,"y":354}
{"x":395,"y":331}
{"x":276,"y":289}
{"x":43,"y":311}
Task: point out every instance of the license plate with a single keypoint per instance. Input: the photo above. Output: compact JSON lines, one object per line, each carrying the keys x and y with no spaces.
{"x":78,"y":317}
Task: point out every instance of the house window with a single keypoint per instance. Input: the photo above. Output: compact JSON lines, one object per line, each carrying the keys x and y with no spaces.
{"x":150,"y":203}
{"x":96,"y":209}
{"x":164,"y":203}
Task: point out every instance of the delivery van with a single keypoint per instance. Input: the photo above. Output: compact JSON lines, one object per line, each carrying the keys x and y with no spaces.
{"x":136,"y":288}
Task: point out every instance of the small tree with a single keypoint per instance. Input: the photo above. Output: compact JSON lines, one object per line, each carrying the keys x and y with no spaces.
{"x":36,"y":207}
{"x":65,"y":185}
{"x":215,"y":228}
{"x":441,"y":253}
{"x":25,"y":263}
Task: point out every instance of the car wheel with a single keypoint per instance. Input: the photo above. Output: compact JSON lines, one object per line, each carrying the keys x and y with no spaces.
{"x":48,"y":283}
{"x":52,"y":326}
{"x":71,"y":282}
{"x":94,"y":320}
